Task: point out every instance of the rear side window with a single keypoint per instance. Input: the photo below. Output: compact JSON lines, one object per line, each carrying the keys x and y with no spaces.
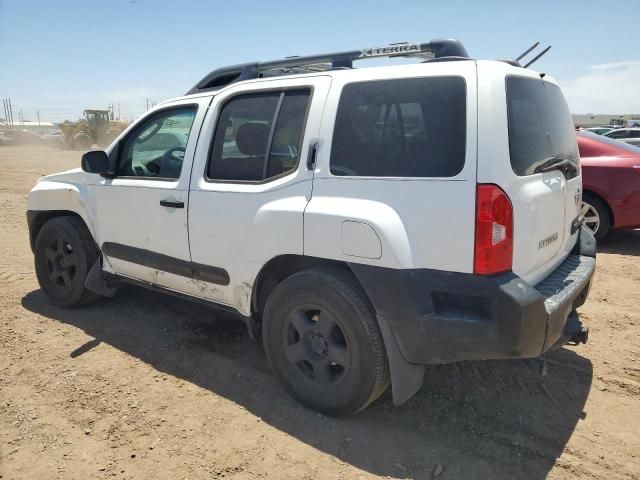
{"x":258,"y":136}
{"x":401,"y":128}
{"x":540,"y":126}
{"x":618,"y":134}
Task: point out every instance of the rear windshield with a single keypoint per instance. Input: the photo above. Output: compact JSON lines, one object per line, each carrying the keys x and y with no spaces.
{"x":412,"y":127}
{"x":540,"y":126}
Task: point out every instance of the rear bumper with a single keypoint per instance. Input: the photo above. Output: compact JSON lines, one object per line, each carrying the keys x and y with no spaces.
{"x":441,"y":317}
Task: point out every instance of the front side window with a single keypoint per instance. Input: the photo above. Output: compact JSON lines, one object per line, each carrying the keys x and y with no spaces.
{"x":540,"y":126}
{"x":258,"y":136}
{"x":401,"y":128}
{"x":156,"y":148}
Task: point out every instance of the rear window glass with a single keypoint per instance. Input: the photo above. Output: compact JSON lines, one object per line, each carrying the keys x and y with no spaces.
{"x":540,"y":126}
{"x":401,"y":128}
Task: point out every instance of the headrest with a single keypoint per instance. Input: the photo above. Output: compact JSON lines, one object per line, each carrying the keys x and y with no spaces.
{"x":252,"y":138}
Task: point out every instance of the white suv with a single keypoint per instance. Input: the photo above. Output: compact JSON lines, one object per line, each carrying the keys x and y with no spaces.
{"x":366,"y":222}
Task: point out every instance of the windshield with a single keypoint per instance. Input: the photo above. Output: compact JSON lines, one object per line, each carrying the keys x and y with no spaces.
{"x":97,"y":116}
{"x":540,"y":126}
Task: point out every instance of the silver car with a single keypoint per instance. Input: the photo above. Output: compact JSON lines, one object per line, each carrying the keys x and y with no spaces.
{"x":628,"y":135}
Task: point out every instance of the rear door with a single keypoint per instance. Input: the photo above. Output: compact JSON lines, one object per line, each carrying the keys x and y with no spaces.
{"x":519,"y":131}
{"x":250,"y":183}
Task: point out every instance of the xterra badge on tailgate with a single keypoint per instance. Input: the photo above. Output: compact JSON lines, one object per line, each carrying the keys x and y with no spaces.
{"x":545,"y":242}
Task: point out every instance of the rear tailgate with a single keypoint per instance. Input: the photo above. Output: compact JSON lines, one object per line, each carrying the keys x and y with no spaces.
{"x":532,"y":125}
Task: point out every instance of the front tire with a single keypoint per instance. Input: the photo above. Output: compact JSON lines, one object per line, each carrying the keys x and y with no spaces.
{"x":323,"y":343}
{"x":82,"y":141}
{"x":64,"y":254}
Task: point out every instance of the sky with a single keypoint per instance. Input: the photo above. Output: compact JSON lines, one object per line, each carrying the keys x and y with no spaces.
{"x":61,"y":56}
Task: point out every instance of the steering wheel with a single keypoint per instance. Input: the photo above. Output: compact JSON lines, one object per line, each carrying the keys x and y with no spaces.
{"x":169,"y":163}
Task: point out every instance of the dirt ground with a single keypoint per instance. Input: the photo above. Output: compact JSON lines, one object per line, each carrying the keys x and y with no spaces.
{"x":146,"y":386}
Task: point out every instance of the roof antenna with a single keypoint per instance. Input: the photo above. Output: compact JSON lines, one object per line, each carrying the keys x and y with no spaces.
{"x":527,"y":51}
{"x":537,"y":57}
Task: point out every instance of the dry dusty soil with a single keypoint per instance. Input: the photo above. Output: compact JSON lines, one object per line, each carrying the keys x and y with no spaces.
{"x":150,"y":387}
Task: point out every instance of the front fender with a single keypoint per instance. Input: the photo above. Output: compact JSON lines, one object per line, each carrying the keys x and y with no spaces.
{"x":54,"y":194}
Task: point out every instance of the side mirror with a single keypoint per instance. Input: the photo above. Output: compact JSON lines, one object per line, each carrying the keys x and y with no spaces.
{"x":95,"y":161}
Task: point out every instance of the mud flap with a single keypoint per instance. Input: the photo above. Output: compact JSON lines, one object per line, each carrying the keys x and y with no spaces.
{"x":406,"y":378}
{"x":99,"y":282}
{"x":586,"y":244}
{"x":254,"y":327}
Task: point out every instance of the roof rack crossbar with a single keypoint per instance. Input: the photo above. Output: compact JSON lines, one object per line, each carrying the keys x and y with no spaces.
{"x":516,"y":61}
{"x":537,"y":57}
{"x":526,"y":52}
{"x":434,"y":49}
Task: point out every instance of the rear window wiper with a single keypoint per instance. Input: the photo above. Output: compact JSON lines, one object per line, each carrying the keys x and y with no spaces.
{"x":556,"y":163}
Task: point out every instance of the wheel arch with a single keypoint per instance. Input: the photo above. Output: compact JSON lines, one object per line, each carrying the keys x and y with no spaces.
{"x":37,"y":218}
{"x":406,"y":378}
{"x":591,"y":192}
{"x":57,"y":195}
{"x":281,"y":267}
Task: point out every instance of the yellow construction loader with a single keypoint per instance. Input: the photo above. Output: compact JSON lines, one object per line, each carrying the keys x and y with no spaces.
{"x":95,"y":128}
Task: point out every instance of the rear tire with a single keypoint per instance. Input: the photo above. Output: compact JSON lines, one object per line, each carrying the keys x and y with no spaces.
{"x":322,"y":341}
{"x":596,"y":216}
{"x":64,"y":254}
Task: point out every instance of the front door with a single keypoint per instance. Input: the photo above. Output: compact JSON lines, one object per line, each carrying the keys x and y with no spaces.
{"x":141,"y":214}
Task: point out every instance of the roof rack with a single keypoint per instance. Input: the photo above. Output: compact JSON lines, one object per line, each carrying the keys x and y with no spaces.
{"x":435,"y":49}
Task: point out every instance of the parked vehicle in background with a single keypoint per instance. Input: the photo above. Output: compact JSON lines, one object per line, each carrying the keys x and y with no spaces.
{"x":628,"y":135}
{"x":55,"y":138}
{"x":598,"y":130}
{"x":610,"y":182}
{"x":6,"y":138}
{"x":16,"y":136}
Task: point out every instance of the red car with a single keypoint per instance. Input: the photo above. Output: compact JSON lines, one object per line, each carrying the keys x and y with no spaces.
{"x":611,"y":183}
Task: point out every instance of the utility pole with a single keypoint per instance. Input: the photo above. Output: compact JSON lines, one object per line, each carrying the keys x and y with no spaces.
{"x":10,"y":111}
{"x":147,"y":100}
{"x":38,"y":117}
{"x":8,"y":114}
{"x":118,"y":112}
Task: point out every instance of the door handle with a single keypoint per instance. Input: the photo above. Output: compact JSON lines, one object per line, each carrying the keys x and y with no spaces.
{"x":313,"y":153}
{"x":171,"y":204}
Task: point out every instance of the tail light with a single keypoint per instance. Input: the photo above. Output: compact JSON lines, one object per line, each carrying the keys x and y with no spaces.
{"x":494,"y":231}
